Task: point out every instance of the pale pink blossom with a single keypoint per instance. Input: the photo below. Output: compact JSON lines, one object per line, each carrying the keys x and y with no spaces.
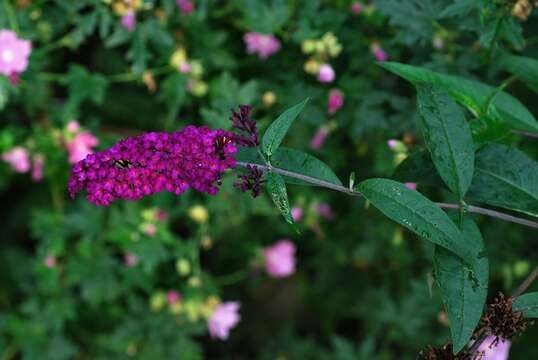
{"x":263,"y":45}
{"x":173,"y":297}
{"x":130,"y":259}
{"x":50,"y":261}
{"x":296,"y":213}
{"x":325,"y":211}
{"x":149,"y":229}
{"x":356,"y":8}
{"x":185,"y":6}
{"x":184,"y":68}
{"x":326,"y":73}
{"x":14,"y":53}
{"x":37,"y":167}
{"x":392,"y":143}
{"x":319,"y":137}
{"x":19,"y":159}
{"x":73,"y":126}
{"x":81,"y":146}
{"x":128,"y":21}
{"x":411,"y":185}
{"x":499,"y":351}
{"x":335,"y":102}
{"x":224,"y":318}
{"x":280,"y":259}
{"x":378,"y":52}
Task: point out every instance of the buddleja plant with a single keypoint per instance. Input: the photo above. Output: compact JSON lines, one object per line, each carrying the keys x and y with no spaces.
{"x":460,"y":155}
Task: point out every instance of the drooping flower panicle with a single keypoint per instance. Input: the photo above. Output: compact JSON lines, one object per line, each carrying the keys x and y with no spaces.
{"x":251,"y":181}
{"x":194,"y":157}
{"x":242,"y":121}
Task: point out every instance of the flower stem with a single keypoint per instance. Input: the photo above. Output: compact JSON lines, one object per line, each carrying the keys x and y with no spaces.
{"x":345,"y":190}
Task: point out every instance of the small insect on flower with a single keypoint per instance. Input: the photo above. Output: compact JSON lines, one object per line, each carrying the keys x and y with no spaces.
{"x":123,"y":164}
{"x":221,"y":142}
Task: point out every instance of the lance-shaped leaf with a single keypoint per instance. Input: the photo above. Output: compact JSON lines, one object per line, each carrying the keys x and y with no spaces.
{"x":464,"y":290}
{"x":412,"y":210}
{"x":292,"y":160}
{"x":277,"y":130}
{"x":527,"y":304}
{"x":505,"y":177}
{"x":472,"y":94}
{"x":277,"y":189}
{"x":524,"y":68}
{"x":447,"y":136}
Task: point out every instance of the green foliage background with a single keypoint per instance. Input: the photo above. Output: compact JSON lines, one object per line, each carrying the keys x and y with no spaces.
{"x":361,"y":290}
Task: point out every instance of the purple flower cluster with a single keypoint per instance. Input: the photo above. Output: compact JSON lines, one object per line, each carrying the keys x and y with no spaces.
{"x":194,"y":157}
{"x":242,"y":121}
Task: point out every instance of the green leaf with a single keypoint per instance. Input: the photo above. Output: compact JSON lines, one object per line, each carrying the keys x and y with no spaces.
{"x":412,"y":210}
{"x":472,"y":94}
{"x":524,"y":68}
{"x":277,"y":189}
{"x":292,"y":160}
{"x":447,"y":136}
{"x":505,"y":177}
{"x":460,"y":7}
{"x":464,"y":291}
{"x":83,"y":85}
{"x":305,"y":164}
{"x":487,"y":129}
{"x":418,"y":167}
{"x":527,"y":304}
{"x":275,"y":133}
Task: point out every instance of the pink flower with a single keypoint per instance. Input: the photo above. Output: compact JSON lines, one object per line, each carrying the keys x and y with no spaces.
{"x":324,"y":210}
{"x":14,"y":53}
{"x":280,"y":259}
{"x":498,"y":351}
{"x":326,"y":73}
{"x":185,"y":6}
{"x":184,"y":68}
{"x":296,"y":213}
{"x":149,"y":229}
{"x":37,"y":167}
{"x":81,"y":146}
{"x":224,"y":318}
{"x":356,"y":8}
{"x":335,"y":102}
{"x":263,"y":45}
{"x":173,"y":297}
{"x":392,"y":143}
{"x":18,"y":158}
{"x":378,"y":52}
{"x":130,"y":259}
{"x":411,"y":185}
{"x":73,"y":126}
{"x":50,"y":261}
{"x":319,"y":138}
{"x":128,"y":21}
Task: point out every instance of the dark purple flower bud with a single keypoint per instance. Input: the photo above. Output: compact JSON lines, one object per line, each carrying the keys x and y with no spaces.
{"x":242,"y":121}
{"x":252,"y":181}
{"x":194,"y":157}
